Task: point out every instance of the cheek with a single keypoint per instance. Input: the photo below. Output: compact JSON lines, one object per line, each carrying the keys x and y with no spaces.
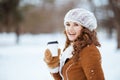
{"x":66,"y":28}
{"x":78,"y":31}
{"x":67,"y":31}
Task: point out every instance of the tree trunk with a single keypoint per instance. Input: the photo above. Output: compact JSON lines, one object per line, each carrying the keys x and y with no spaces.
{"x":118,"y":37}
{"x":118,"y":27}
{"x":116,"y":11}
{"x":17,"y":31}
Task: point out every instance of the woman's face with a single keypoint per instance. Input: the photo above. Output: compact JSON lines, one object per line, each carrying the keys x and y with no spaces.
{"x":73,"y":30}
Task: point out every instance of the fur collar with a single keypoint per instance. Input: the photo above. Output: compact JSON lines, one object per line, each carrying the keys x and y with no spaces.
{"x":64,"y":56}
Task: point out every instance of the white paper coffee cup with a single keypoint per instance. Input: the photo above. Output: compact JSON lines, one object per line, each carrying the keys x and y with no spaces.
{"x":53,"y":47}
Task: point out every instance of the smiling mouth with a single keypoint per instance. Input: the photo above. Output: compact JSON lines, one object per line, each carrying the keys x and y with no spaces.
{"x":72,"y":34}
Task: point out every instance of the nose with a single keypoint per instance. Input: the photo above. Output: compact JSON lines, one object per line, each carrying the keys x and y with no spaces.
{"x":71,"y":29}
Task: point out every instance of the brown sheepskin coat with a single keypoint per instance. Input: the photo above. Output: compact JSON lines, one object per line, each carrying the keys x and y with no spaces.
{"x":88,"y":66}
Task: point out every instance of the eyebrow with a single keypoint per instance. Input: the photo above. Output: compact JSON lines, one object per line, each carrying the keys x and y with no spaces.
{"x":75,"y":22}
{"x":67,"y":22}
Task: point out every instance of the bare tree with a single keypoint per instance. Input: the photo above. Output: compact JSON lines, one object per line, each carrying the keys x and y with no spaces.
{"x":11,"y":16}
{"x":116,"y":9}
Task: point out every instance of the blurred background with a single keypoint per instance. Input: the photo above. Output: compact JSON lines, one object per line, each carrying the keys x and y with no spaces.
{"x":27,"y":25}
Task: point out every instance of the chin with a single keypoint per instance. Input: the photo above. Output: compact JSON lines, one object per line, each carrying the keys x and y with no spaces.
{"x":71,"y":39}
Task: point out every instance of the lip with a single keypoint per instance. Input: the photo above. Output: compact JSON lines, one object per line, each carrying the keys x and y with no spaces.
{"x":71,"y":33}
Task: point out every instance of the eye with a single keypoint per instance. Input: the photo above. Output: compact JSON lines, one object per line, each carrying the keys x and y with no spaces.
{"x":76,"y":24}
{"x":67,"y":24}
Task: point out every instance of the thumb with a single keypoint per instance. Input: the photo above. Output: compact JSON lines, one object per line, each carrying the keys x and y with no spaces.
{"x":59,"y":52}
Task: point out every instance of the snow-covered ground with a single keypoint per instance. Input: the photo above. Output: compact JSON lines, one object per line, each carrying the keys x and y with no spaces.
{"x":24,"y":61}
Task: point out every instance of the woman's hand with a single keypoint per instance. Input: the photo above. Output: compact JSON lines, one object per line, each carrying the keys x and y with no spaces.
{"x":51,"y":61}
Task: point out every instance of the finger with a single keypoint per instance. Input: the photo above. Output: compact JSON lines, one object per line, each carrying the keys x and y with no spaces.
{"x":54,"y":63}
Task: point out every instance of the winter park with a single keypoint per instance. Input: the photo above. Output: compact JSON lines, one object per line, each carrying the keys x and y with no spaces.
{"x":27,"y":26}
{"x":25,"y":60}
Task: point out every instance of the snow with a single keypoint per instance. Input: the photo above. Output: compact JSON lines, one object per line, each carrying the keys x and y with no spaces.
{"x":24,"y":61}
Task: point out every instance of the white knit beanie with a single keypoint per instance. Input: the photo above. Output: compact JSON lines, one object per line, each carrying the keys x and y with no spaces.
{"x":82,"y":16}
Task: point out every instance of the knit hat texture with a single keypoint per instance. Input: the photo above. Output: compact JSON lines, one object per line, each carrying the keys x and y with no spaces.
{"x":82,"y":16}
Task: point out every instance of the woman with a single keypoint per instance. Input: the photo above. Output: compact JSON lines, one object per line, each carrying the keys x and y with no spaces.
{"x":80,"y":59}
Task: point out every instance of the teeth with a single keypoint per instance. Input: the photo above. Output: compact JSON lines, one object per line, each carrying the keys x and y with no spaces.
{"x":71,"y":33}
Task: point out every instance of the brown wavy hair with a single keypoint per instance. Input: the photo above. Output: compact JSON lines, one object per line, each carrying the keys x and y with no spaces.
{"x":85,"y":38}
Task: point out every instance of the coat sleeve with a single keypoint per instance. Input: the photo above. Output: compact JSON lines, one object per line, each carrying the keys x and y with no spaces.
{"x":91,"y":64}
{"x":56,"y":76}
